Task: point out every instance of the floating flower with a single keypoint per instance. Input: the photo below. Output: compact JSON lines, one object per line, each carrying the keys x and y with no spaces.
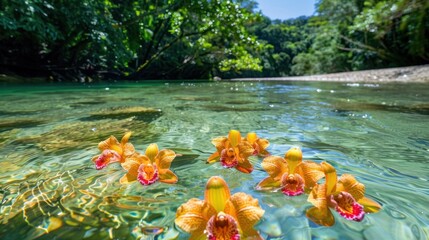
{"x":113,"y":151}
{"x":232,"y":152}
{"x":154,"y":165}
{"x":345,"y":196}
{"x":259,"y":144}
{"x":291,"y":174}
{"x":220,"y":216}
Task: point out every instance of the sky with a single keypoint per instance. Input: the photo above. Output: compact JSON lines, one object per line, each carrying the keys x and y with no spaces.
{"x":285,"y":9}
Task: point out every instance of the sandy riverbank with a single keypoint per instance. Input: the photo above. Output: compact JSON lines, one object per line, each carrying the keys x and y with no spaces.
{"x":403,"y":74}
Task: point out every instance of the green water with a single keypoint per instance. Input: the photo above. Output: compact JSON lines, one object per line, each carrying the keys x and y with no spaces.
{"x":48,"y":135}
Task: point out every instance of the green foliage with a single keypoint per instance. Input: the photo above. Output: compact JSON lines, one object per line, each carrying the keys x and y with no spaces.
{"x":282,"y":42}
{"x":355,"y":35}
{"x":153,"y":39}
{"x":129,"y":36}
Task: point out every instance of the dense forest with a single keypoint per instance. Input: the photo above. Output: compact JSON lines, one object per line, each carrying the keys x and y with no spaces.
{"x":83,"y":40}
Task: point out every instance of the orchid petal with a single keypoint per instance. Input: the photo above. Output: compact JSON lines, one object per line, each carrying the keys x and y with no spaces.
{"x":234,"y":138}
{"x":311,"y":172}
{"x":251,"y":137}
{"x":164,"y":158}
{"x":245,"y":149}
{"x":198,"y":236}
{"x":167,"y":176}
{"x":141,"y":159}
{"x":263,"y":144}
{"x":192,"y":216}
{"x":322,"y":217}
{"x":213,"y":158}
{"x":320,"y":213}
{"x":330,"y":177}
{"x":128,"y":178}
{"x":128,"y":149}
{"x":125,"y":138}
{"x":349,"y":184}
{"x":293,"y":157}
{"x":244,"y":166}
{"x":268,"y":183}
{"x":219,"y":143}
{"x":369,"y":205}
{"x":152,"y":151}
{"x":275,"y":167}
{"x":245,"y":209}
{"x":217,"y":193}
{"x":110,"y":143}
{"x":132,"y":167}
{"x":318,"y":196}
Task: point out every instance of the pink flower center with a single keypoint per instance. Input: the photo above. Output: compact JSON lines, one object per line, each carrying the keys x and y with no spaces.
{"x":148,"y":174}
{"x":292,"y":184}
{"x":228,"y":159}
{"x":222,"y":227}
{"x":105,"y":158}
{"x":347,"y":207}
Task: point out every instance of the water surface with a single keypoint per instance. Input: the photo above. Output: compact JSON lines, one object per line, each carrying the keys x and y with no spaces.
{"x":49,"y":188}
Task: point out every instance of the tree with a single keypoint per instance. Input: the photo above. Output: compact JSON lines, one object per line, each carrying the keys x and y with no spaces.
{"x":356,"y":35}
{"x":130,"y":37}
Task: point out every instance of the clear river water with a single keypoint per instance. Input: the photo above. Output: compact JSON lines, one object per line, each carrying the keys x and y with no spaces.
{"x":50,"y":189}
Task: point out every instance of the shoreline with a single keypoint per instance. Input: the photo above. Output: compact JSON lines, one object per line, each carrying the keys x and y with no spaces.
{"x":414,"y":74}
{"x":410,"y":74}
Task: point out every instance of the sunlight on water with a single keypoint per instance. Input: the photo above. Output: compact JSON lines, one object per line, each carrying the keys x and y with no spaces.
{"x":49,"y":187}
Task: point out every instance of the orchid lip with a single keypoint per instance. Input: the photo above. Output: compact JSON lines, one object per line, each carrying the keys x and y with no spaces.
{"x":100,"y":163}
{"x":106,"y":157}
{"x":222,"y":226}
{"x":292,"y":193}
{"x":357,"y":215}
{"x":143,"y":177}
{"x":347,"y":207}
{"x":228,"y":165}
{"x":227,"y":159}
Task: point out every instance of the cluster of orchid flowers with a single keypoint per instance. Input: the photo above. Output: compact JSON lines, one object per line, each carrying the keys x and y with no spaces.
{"x":147,"y":168}
{"x":224,"y":216}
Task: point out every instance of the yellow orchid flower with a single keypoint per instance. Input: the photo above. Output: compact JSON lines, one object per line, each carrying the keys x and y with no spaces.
{"x":259,"y":144}
{"x":113,"y":151}
{"x":154,"y":165}
{"x":292,"y":175}
{"x":345,"y":196}
{"x":220,"y":216}
{"x":232,"y":152}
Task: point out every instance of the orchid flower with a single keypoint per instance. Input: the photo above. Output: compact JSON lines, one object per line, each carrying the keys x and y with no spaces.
{"x":292,"y":175}
{"x":154,"y":165}
{"x":259,"y":144}
{"x":113,"y":151}
{"x":345,"y":196}
{"x":220,"y":216}
{"x":232,"y":152}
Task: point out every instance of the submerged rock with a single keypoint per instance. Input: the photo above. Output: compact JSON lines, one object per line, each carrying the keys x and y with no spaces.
{"x":241,"y":108}
{"x":138,"y":113}
{"x":87,"y":103}
{"x":86,"y":134}
{"x":7,"y":124}
{"x":344,"y":107}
